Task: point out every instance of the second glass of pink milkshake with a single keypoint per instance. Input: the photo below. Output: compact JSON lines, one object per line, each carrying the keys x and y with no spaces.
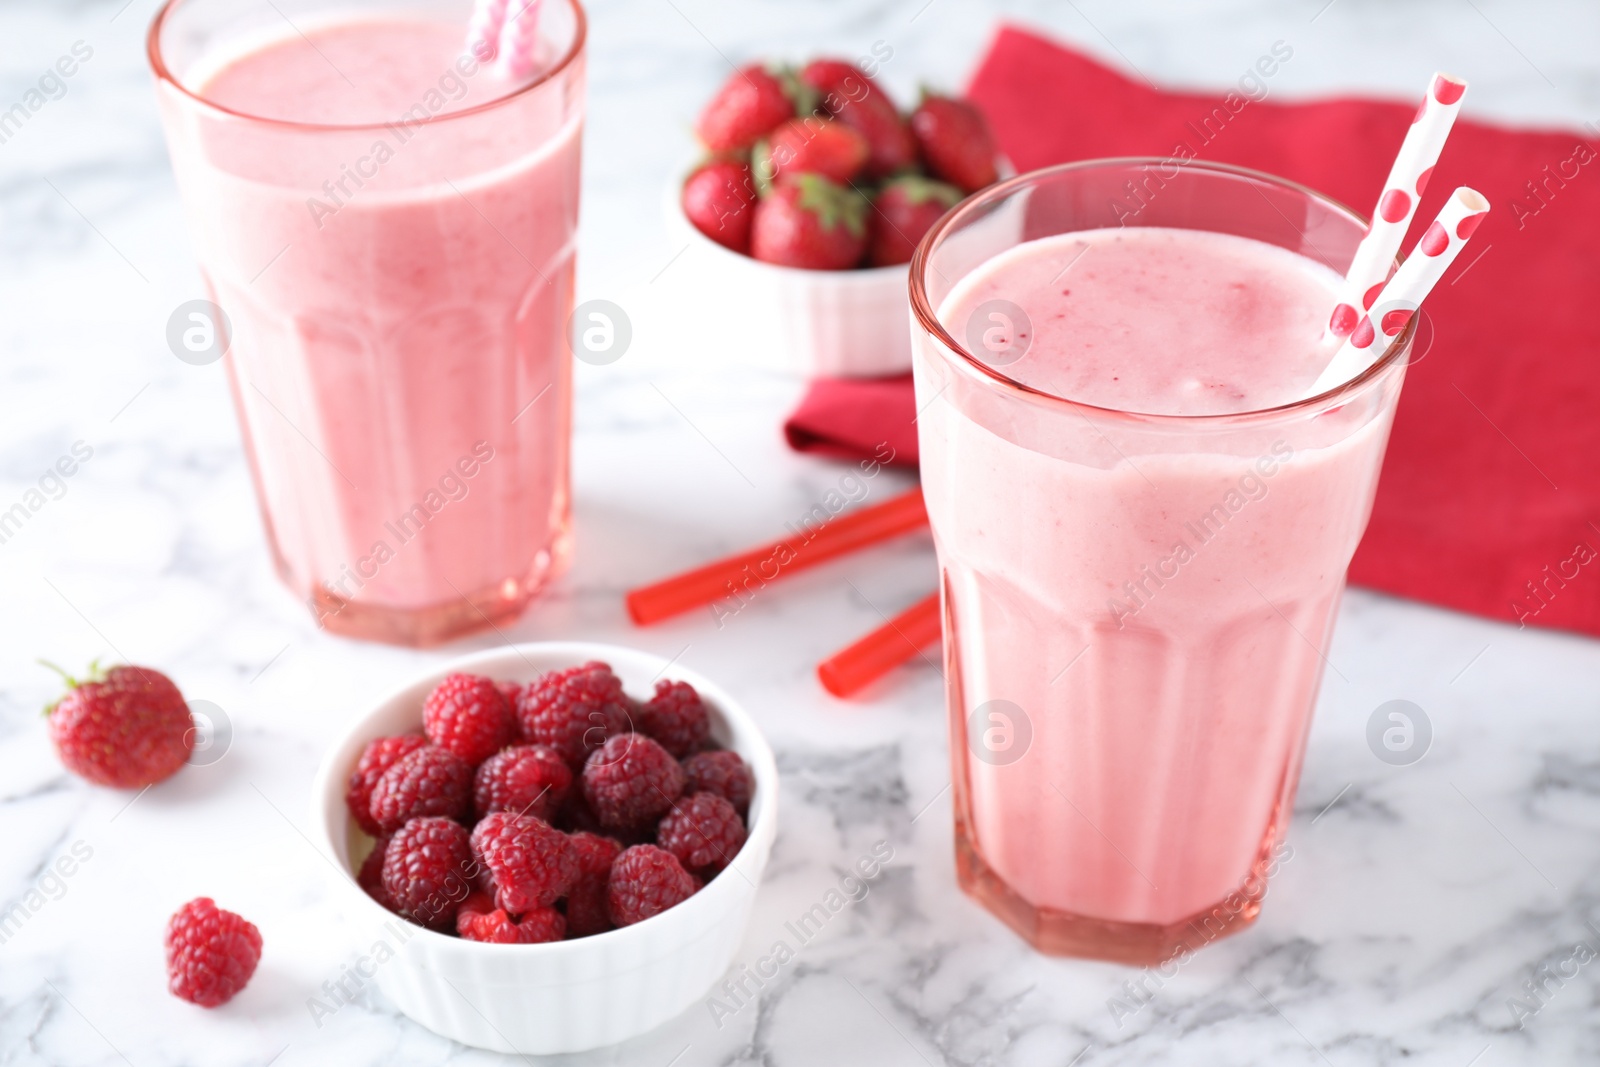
{"x":386,"y":218}
{"x":1143,"y":523}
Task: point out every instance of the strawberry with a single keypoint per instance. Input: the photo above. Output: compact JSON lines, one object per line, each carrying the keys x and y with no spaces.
{"x":749,"y":104}
{"x":127,"y":727}
{"x":719,"y":198}
{"x":810,"y":222}
{"x":955,"y":142}
{"x":812,"y":145}
{"x":855,"y":100}
{"x":906,"y":208}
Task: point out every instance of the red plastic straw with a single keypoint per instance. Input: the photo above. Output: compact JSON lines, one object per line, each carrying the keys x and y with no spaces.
{"x":739,"y":576}
{"x":875,"y":655}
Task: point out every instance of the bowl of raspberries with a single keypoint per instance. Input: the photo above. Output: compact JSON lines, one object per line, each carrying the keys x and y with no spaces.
{"x":808,"y":203}
{"x":556,"y":845}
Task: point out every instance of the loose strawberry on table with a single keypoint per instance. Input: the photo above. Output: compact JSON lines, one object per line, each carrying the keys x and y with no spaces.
{"x":720,"y":199}
{"x":809,"y":221}
{"x":126,"y":727}
{"x":955,"y":142}
{"x":904,"y":210}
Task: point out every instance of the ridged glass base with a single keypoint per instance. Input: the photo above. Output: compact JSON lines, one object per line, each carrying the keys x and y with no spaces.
{"x":1061,"y":933}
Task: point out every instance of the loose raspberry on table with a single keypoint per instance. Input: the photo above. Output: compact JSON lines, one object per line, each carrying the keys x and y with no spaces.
{"x":532,"y":862}
{"x":704,"y":831}
{"x":429,"y":781}
{"x":379,"y":755}
{"x":370,"y":877}
{"x":586,"y":900}
{"x":428,"y":870}
{"x":526,"y":779}
{"x":468,"y":715}
{"x":480,"y":920}
{"x":631,"y":781}
{"x":574,"y":711}
{"x":676,"y":717}
{"x":211,"y":953}
{"x":645,"y":881}
{"x":127,"y":727}
{"x":721,"y":772}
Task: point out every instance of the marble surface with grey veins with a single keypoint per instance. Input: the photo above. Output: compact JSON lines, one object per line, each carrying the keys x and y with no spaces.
{"x":1420,"y":900}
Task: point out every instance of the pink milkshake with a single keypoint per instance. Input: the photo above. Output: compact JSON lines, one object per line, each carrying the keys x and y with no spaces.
{"x":1143,"y":538}
{"x":388,"y":224}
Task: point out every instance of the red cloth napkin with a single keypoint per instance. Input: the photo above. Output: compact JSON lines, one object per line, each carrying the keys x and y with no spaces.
{"x":1490,"y":496}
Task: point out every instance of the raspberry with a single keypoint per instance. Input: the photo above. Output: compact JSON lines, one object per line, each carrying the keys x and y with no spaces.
{"x":480,"y":920}
{"x":371,"y":876}
{"x":574,"y":711}
{"x":511,"y":691}
{"x":429,"y":781}
{"x":586,"y":900}
{"x":469,"y":716}
{"x":703,"y":831}
{"x":379,"y":755}
{"x":428,"y":870}
{"x":127,"y":727}
{"x":575,"y":815}
{"x":631,"y":781}
{"x":645,"y":881}
{"x":676,"y":718}
{"x":526,"y":779}
{"x":721,"y":772}
{"x":533,"y":863}
{"x":211,"y":953}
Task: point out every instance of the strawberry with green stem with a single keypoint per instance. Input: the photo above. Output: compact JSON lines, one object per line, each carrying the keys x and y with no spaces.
{"x":125,"y":727}
{"x":810,"y":222}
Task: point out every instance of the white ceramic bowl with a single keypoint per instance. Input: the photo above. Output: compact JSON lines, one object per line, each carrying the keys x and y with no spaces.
{"x":811,"y":323}
{"x":565,"y":996}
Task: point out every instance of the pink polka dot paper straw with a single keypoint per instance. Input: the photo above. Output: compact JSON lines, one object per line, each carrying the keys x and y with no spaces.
{"x":1400,"y":298}
{"x":483,"y":29}
{"x":1408,"y":177}
{"x":518,"y":38}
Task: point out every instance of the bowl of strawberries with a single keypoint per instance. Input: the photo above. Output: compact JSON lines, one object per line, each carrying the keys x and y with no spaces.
{"x":808,"y":204}
{"x":549,"y":847}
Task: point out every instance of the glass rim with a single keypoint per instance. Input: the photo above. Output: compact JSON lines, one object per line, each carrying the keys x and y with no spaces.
{"x":923,"y":312}
{"x":163,"y":73}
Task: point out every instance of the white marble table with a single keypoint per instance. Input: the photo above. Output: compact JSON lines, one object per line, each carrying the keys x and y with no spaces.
{"x":1418,"y":900}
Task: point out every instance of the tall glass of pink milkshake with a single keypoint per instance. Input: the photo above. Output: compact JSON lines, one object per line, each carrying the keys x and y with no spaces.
{"x":386,"y":219}
{"x":1143,"y":521}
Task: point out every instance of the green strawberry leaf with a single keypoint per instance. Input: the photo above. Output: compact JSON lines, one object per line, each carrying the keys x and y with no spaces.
{"x":833,"y":204}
